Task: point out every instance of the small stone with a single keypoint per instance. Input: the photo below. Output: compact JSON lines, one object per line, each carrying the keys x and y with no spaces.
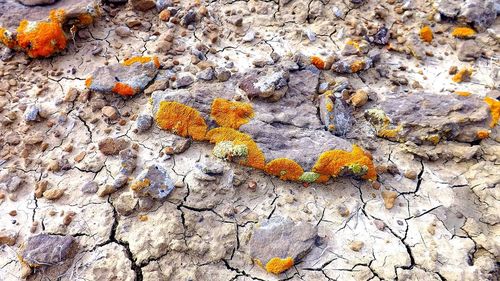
{"x":153,"y":181}
{"x":184,"y":81}
{"x":53,"y":166}
{"x":68,"y":218}
{"x":79,"y":157}
{"x":112,"y":146}
{"x":359,"y":98}
{"x":189,"y":18}
{"x":53,"y":194}
{"x":389,"y":198}
{"x":469,"y":50}
{"x":145,"y":204}
{"x":206,"y":75}
{"x":410,"y":174}
{"x":143,"y":123}
{"x":105,"y":190}
{"x":222,"y":74}
{"x":356,"y":246}
{"x":164,"y":15}
{"x":453,"y":70}
{"x":252,"y":185}
{"x":143,"y":5}
{"x":249,"y":36}
{"x":179,"y":183}
{"x":123,"y":31}
{"x":110,"y":112}
{"x":380,"y":225}
{"x":125,"y":204}
{"x":41,"y":187}
{"x":13,"y":213}
{"x":8,"y":237}
{"x":31,"y":113}
{"x":90,"y":187}
{"x":236,"y":20}
{"x":47,"y":249}
{"x":343,"y":211}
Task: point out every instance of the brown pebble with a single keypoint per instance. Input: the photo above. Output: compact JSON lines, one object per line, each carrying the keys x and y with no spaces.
{"x":356,"y":246}
{"x":389,"y":198}
{"x":252,"y":185}
{"x":410,"y":174}
{"x":13,"y":213}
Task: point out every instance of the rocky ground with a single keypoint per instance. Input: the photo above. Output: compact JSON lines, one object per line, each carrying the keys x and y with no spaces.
{"x":106,"y":172}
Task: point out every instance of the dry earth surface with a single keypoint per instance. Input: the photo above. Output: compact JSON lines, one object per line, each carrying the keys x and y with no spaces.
{"x":91,"y":188}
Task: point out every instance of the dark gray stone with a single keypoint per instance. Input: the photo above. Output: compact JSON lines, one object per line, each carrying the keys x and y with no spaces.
{"x":143,"y":123}
{"x":158,"y":182}
{"x":47,"y":249}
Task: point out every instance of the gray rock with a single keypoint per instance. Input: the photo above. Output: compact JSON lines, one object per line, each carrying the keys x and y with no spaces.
{"x":10,"y":183}
{"x":310,"y":35}
{"x":352,"y":64}
{"x":125,"y":204}
{"x":183,"y":81}
{"x":469,"y":50}
{"x":189,"y":18}
{"x":120,"y":181}
{"x":281,"y":237}
{"x":207,"y":74}
{"x":236,"y":20}
{"x":480,"y":13}
{"x":143,"y":123}
{"x":382,"y":36}
{"x":153,"y":181}
{"x":47,"y":249}
{"x":8,"y":237}
{"x":222,"y":74}
{"x":210,"y":167}
{"x":335,"y":114}
{"x":426,"y":117}
{"x":249,"y":36}
{"x":163,"y":4}
{"x":143,"y":5}
{"x":36,"y":2}
{"x":31,"y":113}
{"x":137,"y":76}
{"x":128,"y":161}
{"x":90,"y":187}
{"x":271,"y":85}
{"x":123,"y":31}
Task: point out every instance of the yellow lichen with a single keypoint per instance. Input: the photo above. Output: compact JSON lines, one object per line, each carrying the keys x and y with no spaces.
{"x":231,"y":114}
{"x":329,"y":106}
{"x":143,"y":218}
{"x":334,"y":161}
{"x":482,"y":134}
{"x":463,"y":32}
{"x":433,"y":138}
{"x":353,"y":43}
{"x":140,"y":185}
{"x":494,"y":110}
{"x":181,"y":120}
{"x":463,"y":75}
{"x":462,"y":93}
{"x":142,"y":60}
{"x":384,"y":132}
{"x":123,"y":89}
{"x":7,"y":38}
{"x":357,"y":66}
{"x":278,"y":265}
{"x":318,"y":62}
{"x":285,"y":169}
{"x":426,"y":34}
{"x":43,"y":38}
{"x":255,"y":157}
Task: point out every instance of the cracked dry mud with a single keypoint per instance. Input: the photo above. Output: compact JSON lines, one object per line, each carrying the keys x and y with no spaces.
{"x":91,"y":188}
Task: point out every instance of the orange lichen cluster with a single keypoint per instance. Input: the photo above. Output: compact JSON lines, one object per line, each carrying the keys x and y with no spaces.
{"x":357,"y":66}
{"x":318,"y":62}
{"x":44,"y":38}
{"x":140,"y":185}
{"x":323,"y":179}
{"x":85,"y":19}
{"x":463,"y":93}
{"x":494,"y":110}
{"x":88,"y":82}
{"x":482,"y":134}
{"x":231,"y":114}
{"x":7,"y":38}
{"x":142,"y":60}
{"x":123,"y":89}
{"x":285,"y":169}
{"x":426,"y":34}
{"x":278,"y":265}
{"x":255,"y":157}
{"x":463,"y":32}
{"x":181,"y":120}
{"x":463,"y":75}
{"x":334,"y":161}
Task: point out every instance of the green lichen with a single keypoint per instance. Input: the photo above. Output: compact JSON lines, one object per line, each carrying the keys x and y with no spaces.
{"x":376,"y":116}
{"x":357,"y":169}
{"x":309,"y":177}
{"x":227,"y":149}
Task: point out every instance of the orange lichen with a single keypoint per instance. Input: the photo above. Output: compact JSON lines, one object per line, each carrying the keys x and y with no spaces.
{"x":88,"y":82}
{"x":463,"y":32}
{"x":255,"y":157}
{"x":334,"y":161}
{"x":318,"y":62}
{"x":494,"y":110}
{"x":285,"y":169}
{"x":85,"y":19}
{"x":231,"y":114}
{"x":140,"y":185}
{"x":123,"y":89}
{"x":329,"y":106}
{"x":357,"y":66}
{"x":44,"y":38}
{"x":278,"y":265}
{"x":462,"y":93}
{"x":7,"y":38}
{"x":426,"y":34}
{"x":463,"y":75}
{"x":482,"y":134}
{"x":142,"y":60}
{"x":181,"y":120}
{"x":323,"y":179}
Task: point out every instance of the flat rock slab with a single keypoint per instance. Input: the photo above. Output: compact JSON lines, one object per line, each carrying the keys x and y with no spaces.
{"x":47,"y":249}
{"x":281,"y":237}
{"x":449,"y":116}
{"x":17,"y":11}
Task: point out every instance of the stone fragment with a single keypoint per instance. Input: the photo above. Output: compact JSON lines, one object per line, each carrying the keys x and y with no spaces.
{"x":184,"y":80}
{"x":8,"y":237}
{"x":36,"y":2}
{"x":47,"y":249}
{"x":389,"y":198}
{"x":143,"y":123}
{"x":222,"y":74}
{"x":352,"y":64}
{"x":281,"y":238}
{"x":189,"y":18}
{"x":123,"y":31}
{"x":356,"y":246}
{"x":31,"y":113}
{"x":480,"y":13}
{"x":335,"y":114}
{"x":272,"y":85}
{"x":125,"y":204}
{"x":110,"y":112}
{"x":90,"y":187}
{"x":359,"y":98}
{"x":143,"y":5}
{"x":128,"y":161}
{"x":468,"y":50}
{"x":210,"y":167}
{"x":112,"y":146}
{"x":153,"y":181}
{"x":53,"y":193}
{"x":9,"y":182}
{"x":207,"y":74}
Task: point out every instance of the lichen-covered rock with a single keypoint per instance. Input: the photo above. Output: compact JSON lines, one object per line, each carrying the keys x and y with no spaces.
{"x":335,"y":114}
{"x":125,"y":80}
{"x":9,"y":181}
{"x":128,"y":161}
{"x":278,"y":243}
{"x":426,"y":117}
{"x":480,"y":13}
{"x":352,"y":64}
{"x":153,"y":181}
{"x":47,"y":249}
